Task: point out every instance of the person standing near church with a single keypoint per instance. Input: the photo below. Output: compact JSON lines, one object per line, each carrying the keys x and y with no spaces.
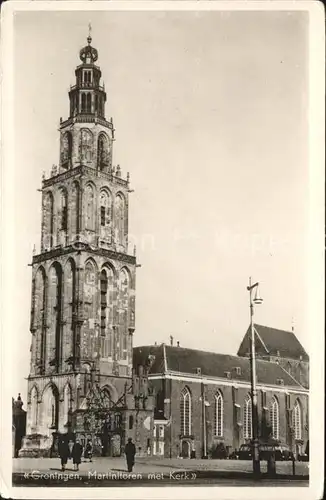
{"x":76,"y":454}
{"x":64,"y":453}
{"x":130,"y":451}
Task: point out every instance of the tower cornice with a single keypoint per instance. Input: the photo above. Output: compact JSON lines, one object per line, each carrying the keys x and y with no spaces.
{"x":71,"y":249}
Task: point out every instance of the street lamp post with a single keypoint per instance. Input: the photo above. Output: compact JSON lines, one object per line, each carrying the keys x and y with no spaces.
{"x":255,"y":300}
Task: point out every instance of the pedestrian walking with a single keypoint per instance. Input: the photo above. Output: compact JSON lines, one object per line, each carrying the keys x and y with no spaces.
{"x":64,"y":453}
{"x":76,"y":453}
{"x":88,"y":453}
{"x":130,"y":451}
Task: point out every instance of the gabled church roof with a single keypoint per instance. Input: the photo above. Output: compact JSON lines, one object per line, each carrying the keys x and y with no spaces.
{"x":182,"y":360}
{"x":273,"y":342}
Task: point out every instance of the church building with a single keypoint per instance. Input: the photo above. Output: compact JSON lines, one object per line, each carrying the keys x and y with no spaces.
{"x":203,"y":399}
{"x":83,"y":290}
{"x":86,"y":378}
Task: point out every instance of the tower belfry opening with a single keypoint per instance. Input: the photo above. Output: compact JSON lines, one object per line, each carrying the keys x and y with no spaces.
{"x":83,"y":286}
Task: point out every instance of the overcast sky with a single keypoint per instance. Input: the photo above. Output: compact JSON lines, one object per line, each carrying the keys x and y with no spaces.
{"x":210,"y":111}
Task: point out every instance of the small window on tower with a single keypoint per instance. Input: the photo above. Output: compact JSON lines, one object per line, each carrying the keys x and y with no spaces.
{"x":64,"y":219}
{"x":102,"y":216}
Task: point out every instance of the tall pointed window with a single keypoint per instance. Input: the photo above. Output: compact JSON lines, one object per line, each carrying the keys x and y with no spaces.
{"x":120,"y":219}
{"x":105,"y":215}
{"x":68,"y":310}
{"x":38,"y":323}
{"x":47,"y":234}
{"x":185,"y":412}
{"x":247,"y":418}
{"x":219,"y":414}
{"x":297,"y":420}
{"x":66,"y":149}
{"x":90,"y":207}
{"x":66,"y":404}
{"x":34,"y":407}
{"x":274,"y":417}
{"x":74,"y":219}
{"x":85,"y":145}
{"x":122,"y":311}
{"x":90,"y":308}
{"x":102,"y":151}
{"x":54,"y":344}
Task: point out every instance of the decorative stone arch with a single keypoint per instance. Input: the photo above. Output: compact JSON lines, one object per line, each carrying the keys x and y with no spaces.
{"x":38,"y":318}
{"x":75,"y":201}
{"x":66,"y":399}
{"x":90,"y":205}
{"x":103,"y":155}
{"x":48,"y":220}
{"x":33,"y":399}
{"x":38,"y":392}
{"x":120,"y":217}
{"x":54,"y":314}
{"x":62,"y":214}
{"x":50,"y":407}
{"x":66,"y":147}
{"x":111,"y":390}
{"x":108,"y":279}
{"x":105,"y":204}
{"x":69,"y":301}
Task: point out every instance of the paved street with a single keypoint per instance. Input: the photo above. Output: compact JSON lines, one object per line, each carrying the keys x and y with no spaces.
{"x":153,"y":472}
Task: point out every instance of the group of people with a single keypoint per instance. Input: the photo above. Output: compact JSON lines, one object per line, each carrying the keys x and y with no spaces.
{"x":74,"y":450}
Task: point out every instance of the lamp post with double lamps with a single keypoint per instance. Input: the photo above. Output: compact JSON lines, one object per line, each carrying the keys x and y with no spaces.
{"x":254,"y":300}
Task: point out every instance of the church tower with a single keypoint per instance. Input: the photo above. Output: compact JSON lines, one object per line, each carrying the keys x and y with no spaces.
{"x":83,"y":279}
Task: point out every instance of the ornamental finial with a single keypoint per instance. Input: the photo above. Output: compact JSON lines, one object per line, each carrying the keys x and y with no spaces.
{"x":89,"y":38}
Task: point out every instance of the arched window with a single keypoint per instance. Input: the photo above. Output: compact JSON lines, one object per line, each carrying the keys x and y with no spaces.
{"x":297,"y":420}
{"x":274,"y":417}
{"x":66,"y":404}
{"x":96,"y":102}
{"x":66,"y":147}
{"x":74,"y":211}
{"x":102,"y":151}
{"x":34,"y":407}
{"x":39,"y":316}
{"x":47,"y":234}
{"x":185,"y":412}
{"x":247,"y":418}
{"x":68,"y":311}
{"x":86,"y":145}
{"x":90,"y":207}
{"x":120,"y":219}
{"x":105,"y":215}
{"x":122,"y":311}
{"x":90,"y":308}
{"x":219,"y":414}
{"x":50,"y":408}
{"x":106,"y":398}
{"x":62,"y":217}
{"x":54,"y":344}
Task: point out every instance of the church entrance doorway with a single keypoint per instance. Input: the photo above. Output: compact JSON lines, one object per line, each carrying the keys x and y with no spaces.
{"x":185,"y":449}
